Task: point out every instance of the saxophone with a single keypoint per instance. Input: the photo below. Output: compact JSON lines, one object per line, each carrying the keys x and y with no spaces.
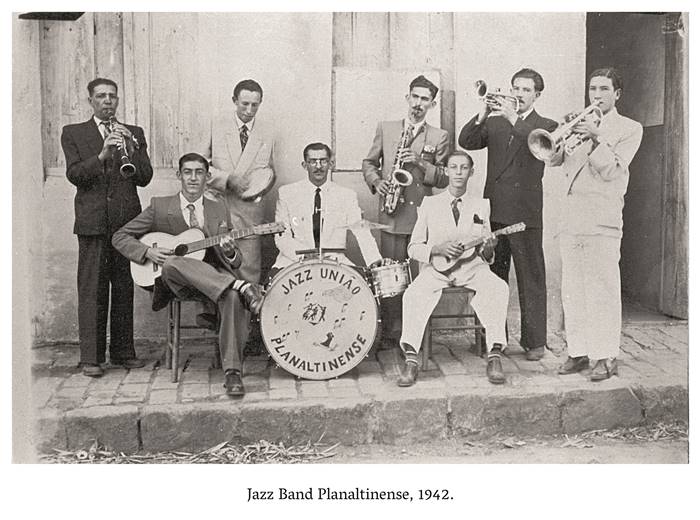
{"x":400,"y":177}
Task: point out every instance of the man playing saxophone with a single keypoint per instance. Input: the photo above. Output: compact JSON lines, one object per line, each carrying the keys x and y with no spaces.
{"x":408,"y":146}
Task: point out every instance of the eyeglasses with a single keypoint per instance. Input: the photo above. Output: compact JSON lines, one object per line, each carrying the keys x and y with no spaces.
{"x":320,"y":162}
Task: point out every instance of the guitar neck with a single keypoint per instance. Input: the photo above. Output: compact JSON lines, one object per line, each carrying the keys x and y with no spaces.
{"x":212,"y":241}
{"x":477,"y":241}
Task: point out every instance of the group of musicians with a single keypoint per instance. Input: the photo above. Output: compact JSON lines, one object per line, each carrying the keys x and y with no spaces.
{"x":106,"y":160}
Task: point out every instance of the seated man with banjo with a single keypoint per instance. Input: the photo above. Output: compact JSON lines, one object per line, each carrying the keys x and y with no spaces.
{"x":452,"y":240}
{"x":200,"y":262}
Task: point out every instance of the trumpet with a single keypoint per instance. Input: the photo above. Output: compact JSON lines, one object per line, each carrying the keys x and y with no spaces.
{"x":400,"y":177}
{"x":545,"y":145}
{"x":496,"y":98}
{"x":127,"y":169}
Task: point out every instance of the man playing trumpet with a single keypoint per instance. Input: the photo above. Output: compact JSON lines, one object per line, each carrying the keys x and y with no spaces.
{"x":514,"y":187}
{"x":597,"y":173}
{"x":425,"y":148}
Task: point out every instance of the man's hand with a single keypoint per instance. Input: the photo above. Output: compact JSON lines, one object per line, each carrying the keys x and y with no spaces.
{"x":588,"y":128}
{"x":408,"y":156}
{"x":381,"y":262}
{"x":228,"y":245}
{"x":158,"y":255}
{"x":449,"y":248}
{"x":488,"y":248}
{"x":506,"y":110}
{"x":382,"y":187}
{"x":111,"y":143}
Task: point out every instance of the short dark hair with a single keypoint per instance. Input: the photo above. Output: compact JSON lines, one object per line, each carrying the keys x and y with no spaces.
{"x":247,"y":84}
{"x":422,"y":81}
{"x":460,"y":153}
{"x":608,"y":72}
{"x":100,"y":81}
{"x":532,"y":74}
{"x":192,"y":156}
{"x":317,"y":146}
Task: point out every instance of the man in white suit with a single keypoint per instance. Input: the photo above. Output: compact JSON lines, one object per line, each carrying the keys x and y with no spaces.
{"x":597,"y":174}
{"x":445,"y":222}
{"x":317,"y":211}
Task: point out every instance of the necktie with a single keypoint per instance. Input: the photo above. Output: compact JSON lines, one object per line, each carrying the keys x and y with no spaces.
{"x":106,"y":129}
{"x":193,"y":217}
{"x":455,"y":209}
{"x":316,"y":218}
{"x":244,"y":137}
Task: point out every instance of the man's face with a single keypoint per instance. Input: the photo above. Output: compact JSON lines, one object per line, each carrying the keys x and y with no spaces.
{"x":317,"y":164}
{"x":193,"y":176}
{"x":524,"y":90}
{"x":601,"y":90}
{"x":419,"y":102}
{"x":247,"y":104}
{"x":459,"y":169}
{"x":104,"y":101}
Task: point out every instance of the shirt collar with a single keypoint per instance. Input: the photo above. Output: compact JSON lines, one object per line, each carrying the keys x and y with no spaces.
{"x":98,"y":121}
{"x":525,"y":114}
{"x":250,"y":124}
{"x":199,"y":203}
{"x":416,"y":126}
{"x":612,"y":113}
{"x":311,"y":186}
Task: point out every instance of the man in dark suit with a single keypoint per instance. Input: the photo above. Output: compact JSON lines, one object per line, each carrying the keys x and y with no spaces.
{"x":514,"y":187}
{"x":106,"y":199}
{"x":215,"y":278}
{"x":425,"y":152}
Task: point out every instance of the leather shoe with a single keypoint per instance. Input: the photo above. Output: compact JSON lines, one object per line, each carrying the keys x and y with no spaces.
{"x":93,"y":370}
{"x":253,"y":298}
{"x":535,"y":354}
{"x":494,"y":370}
{"x":573,"y":365}
{"x":128,"y":363}
{"x":409,"y":375}
{"x":233,"y":383}
{"x":604,"y":369}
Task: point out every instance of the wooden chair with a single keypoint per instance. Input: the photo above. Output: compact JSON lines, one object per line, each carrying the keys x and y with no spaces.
{"x":466,"y":313}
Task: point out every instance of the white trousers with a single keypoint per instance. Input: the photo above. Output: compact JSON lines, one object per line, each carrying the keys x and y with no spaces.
{"x":490,"y":301}
{"x":590,"y":293}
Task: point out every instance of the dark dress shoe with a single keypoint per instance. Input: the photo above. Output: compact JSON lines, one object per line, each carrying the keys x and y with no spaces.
{"x":604,"y":369}
{"x":572,"y":365}
{"x":494,"y":370}
{"x":128,"y":363}
{"x":409,"y":375}
{"x":534,"y":354}
{"x":253,"y":298}
{"x":233,"y":383}
{"x":93,"y":370}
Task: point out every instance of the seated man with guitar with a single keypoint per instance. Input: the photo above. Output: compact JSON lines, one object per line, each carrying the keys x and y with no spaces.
{"x":452,"y":240}
{"x":211,"y":275}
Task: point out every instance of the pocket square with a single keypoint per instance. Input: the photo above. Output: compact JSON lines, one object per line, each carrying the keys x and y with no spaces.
{"x":477,"y":220}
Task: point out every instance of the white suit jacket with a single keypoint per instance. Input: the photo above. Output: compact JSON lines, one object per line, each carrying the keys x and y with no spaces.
{"x":227,"y":162}
{"x":435,"y":224}
{"x":339,"y":207}
{"x":596,"y":179}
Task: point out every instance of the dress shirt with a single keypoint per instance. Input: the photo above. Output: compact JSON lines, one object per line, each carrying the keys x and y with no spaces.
{"x":198,"y":209}
{"x":100,"y":126}
{"x":250,"y":124}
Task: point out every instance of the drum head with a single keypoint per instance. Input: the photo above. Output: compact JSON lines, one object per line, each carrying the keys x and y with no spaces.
{"x":319,"y":319}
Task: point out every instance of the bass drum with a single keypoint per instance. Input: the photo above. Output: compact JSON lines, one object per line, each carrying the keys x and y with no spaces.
{"x":318,"y":319}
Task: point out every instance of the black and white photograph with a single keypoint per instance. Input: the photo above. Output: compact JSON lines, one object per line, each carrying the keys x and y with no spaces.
{"x":350,"y":239}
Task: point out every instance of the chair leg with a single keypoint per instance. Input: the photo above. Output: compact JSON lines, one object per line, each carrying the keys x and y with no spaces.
{"x":217,"y":356}
{"x":169,"y":343}
{"x":176,"y":342}
{"x":427,"y":346}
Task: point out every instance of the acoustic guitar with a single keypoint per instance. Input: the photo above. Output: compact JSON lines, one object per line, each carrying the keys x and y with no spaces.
{"x":190,"y":243}
{"x":444,"y":264}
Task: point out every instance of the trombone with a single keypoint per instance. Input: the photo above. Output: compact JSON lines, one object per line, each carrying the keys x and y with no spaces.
{"x":496,"y":98}
{"x":545,"y":145}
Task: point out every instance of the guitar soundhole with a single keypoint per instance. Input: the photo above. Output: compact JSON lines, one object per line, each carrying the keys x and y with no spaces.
{"x":181,"y":250}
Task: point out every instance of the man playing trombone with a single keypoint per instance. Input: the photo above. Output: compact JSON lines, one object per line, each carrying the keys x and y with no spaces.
{"x":514,"y":187}
{"x":597,"y":173}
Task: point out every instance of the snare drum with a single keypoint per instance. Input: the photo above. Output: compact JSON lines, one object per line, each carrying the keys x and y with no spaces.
{"x":391,"y":280}
{"x":318,"y":319}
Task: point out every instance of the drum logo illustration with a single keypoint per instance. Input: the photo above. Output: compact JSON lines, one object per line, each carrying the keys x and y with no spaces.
{"x":319,"y":319}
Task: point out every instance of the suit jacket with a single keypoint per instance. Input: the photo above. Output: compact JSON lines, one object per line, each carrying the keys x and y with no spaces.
{"x":436,"y":224}
{"x":339,"y":207}
{"x":104,"y":200}
{"x":228,"y":162}
{"x":513,"y":175}
{"x":432,"y":144}
{"x":165,"y":215}
{"x":597,"y":178}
